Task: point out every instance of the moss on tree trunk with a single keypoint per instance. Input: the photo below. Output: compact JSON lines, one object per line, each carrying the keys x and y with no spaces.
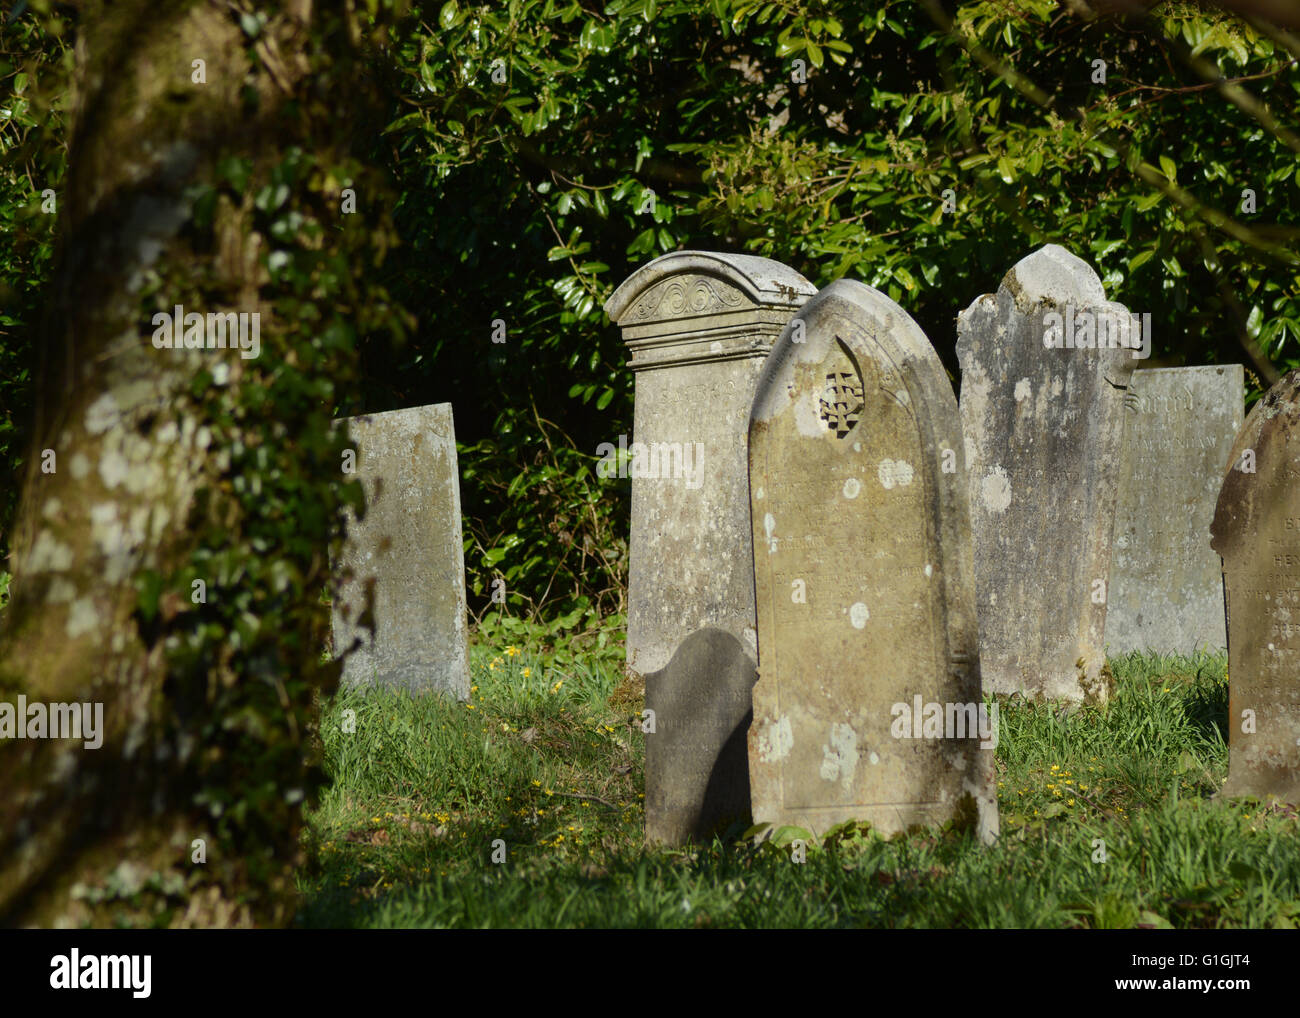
{"x":167,"y":467}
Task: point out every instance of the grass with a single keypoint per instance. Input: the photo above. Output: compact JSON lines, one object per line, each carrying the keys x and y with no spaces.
{"x":546,"y":762}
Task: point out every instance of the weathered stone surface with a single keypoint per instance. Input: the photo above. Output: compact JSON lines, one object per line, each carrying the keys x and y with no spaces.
{"x":1166,"y":583}
{"x":1043,"y":430}
{"x":698,"y":326}
{"x":701,"y":704}
{"x":409,"y":547}
{"x":1256,"y":529}
{"x":864,"y":578}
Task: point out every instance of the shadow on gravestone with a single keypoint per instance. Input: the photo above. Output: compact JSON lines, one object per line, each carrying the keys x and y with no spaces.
{"x":697,"y":772}
{"x":698,"y":326}
{"x":1256,"y":530}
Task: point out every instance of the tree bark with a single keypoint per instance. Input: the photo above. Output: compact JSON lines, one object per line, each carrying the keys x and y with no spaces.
{"x":146,"y":467}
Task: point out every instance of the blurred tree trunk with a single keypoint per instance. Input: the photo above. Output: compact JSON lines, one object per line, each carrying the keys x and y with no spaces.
{"x":131,"y":473}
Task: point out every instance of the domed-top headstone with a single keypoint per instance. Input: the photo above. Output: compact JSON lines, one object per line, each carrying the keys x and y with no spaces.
{"x":868,"y":702}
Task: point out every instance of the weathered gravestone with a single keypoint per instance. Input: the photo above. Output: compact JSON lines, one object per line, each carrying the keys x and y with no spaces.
{"x":1166,"y":583}
{"x":1256,"y":529}
{"x":868,"y":704}
{"x":407,"y":550}
{"x":1042,"y":412}
{"x":697,"y":326}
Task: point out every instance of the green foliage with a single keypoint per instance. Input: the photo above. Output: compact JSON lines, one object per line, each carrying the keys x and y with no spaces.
{"x":623,"y":132}
{"x":244,"y":666}
{"x":547,"y":531}
{"x":626,"y":131}
{"x":32,"y":56}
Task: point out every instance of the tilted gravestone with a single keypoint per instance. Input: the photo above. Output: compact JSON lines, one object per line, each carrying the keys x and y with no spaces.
{"x":697,"y":326}
{"x":1256,"y":530}
{"x":1166,"y":583}
{"x":1042,"y":412}
{"x":407,"y":550}
{"x":868,"y":703}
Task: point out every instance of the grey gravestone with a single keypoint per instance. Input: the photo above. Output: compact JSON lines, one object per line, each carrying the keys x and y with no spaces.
{"x":1256,"y":530}
{"x":697,"y":326}
{"x":1043,"y":429}
{"x":408,"y":550}
{"x":864,"y":579}
{"x":1166,"y":583}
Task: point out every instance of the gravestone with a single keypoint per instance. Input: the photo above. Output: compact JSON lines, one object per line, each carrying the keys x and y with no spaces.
{"x":408,"y":550}
{"x":1042,"y":414}
{"x":1166,"y":583}
{"x":1256,"y":530}
{"x":702,"y":711}
{"x":698,"y":326}
{"x":864,"y":580}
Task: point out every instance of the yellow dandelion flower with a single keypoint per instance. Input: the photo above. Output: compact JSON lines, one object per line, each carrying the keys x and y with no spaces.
{"x":1069,"y":802}
{"x":537,"y":784}
{"x":527,"y":672}
{"x":512,"y":651}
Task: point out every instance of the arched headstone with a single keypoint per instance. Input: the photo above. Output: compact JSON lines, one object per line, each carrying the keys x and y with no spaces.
{"x":868,"y":702}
